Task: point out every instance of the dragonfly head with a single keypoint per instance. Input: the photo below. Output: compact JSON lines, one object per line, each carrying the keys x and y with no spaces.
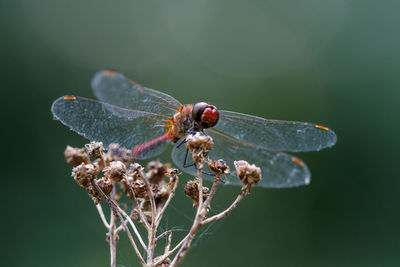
{"x":205,"y":115}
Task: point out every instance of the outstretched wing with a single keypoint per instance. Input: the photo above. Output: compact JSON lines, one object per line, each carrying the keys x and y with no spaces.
{"x":107,"y":123}
{"x":275,"y":134}
{"x":278,"y":169}
{"x":114,"y":88}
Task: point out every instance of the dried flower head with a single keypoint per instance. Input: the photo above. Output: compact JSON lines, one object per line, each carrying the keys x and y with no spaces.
{"x":94,"y":149}
{"x":219,"y":166}
{"x":199,"y":146}
{"x":139,"y":188}
{"x":156,"y":171}
{"x":94,"y":194}
{"x":115,"y":171}
{"x":84,"y":173}
{"x":192,"y":191}
{"x":135,"y":169}
{"x":247,"y":174}
{"x":172,"y":172}
{"x":105,"y":184}
{"x":76,"y":156}
{"x":161,"y":192}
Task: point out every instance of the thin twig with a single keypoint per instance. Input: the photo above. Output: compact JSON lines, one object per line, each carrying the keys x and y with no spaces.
{"x":197,"y":221}
{"x":111,"y":235}
{"x":128,"y":218}
{"x":171,"y":195}
{"x":152,"y":232}
{"x":102,"y":216}
{"x":115,"y":210}
{"x":136,"y":202}
{"x":169,"y":253}
{"x":168,"y":242}
{"x":242,"y":194}
{"x":158,"y":238}
{"x":217,"y":179}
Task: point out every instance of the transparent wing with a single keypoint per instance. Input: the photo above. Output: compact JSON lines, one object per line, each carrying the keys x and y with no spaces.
{"x":103,"y":122}
{"x":114,"y":88}
{"x":275,"y":134}
{"x":278,"y":169}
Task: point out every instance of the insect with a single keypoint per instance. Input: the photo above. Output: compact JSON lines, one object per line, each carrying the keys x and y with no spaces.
{"x":146,"y":121}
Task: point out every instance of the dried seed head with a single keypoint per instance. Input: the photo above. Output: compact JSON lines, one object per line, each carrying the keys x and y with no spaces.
{"x":115,"y":171}
{"x":83,"y":174}
{"x":247,"y":174}
{"x":94,"y":149}
{"x":192,"y":191}
{"x":161,"y":192}
{"x":172,"y":172}
{"x":76,"y":156}
{"x":199,"y":146}
{"x":219,"y":166}
{"x":135,"y":169}
{"x":106,"y":185}
{"x":94,"y":194}
{"x":139,"y":188}
{"x":157,"y":171}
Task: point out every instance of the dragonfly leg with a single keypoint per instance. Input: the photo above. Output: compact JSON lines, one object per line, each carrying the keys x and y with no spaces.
{"x":181,"y":143}
{"x":186,"y":165}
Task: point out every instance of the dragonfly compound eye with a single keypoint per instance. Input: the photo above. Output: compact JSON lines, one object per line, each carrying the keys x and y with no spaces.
{"x":205,"y":115}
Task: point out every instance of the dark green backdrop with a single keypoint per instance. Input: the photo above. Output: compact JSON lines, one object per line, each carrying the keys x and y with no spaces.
{"x":330,"y":62}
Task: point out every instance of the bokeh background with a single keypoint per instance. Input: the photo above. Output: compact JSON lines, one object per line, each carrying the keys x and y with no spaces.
{"x":331,"y":62}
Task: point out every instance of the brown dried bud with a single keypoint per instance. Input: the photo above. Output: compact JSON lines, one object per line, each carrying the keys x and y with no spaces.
{"x":105,"y":184}
{"x":83,"y":174}
{"x":161,"y":192}
{"x":192,"y":191}
{"x":247,"y":174}
{"x":156,"y":171}
{"x":172,"y":172}
{"x":219,"y":166}
{"x":139,"y":188}
{"x":135,"y":169}
{"x":94,"y":194}
{"x":94,"y":149}
{"x":199,"y":146}
{"x":76,"y":156}
{"x":115,"y":171}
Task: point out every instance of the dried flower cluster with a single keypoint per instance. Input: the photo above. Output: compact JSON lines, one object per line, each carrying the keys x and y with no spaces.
{"x":110,"y":175}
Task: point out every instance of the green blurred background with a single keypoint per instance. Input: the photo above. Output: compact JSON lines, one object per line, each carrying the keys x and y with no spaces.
{"x":331,"y":62}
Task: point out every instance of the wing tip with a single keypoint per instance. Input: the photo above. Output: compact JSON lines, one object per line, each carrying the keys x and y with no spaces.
{"x":59,"y":100}
{"x":98,"y":76}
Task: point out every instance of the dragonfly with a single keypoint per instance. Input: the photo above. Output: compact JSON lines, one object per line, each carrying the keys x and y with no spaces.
{"x":146,"y":121}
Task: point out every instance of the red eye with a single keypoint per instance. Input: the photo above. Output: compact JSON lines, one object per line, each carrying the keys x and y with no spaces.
{"x":205,"y":115}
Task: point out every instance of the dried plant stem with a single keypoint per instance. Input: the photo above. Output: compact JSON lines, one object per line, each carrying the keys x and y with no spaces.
{"x":242,"y":194}
{"x":217,"y":179}
{"x":116,"y":212}
{"x":136,"y":202}
{"x":153,"y":228}
{"x":169,"y":253}
{"x":150,"y":195}
{"x":161,"y":213}
{"x":111,"y":235}
{"x":197,"y":221}
{"x":102,"y":216}
{"x":168,"y":243}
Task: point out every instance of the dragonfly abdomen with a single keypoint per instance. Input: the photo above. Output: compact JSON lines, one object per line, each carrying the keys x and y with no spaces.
{"x":141,"y":150}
